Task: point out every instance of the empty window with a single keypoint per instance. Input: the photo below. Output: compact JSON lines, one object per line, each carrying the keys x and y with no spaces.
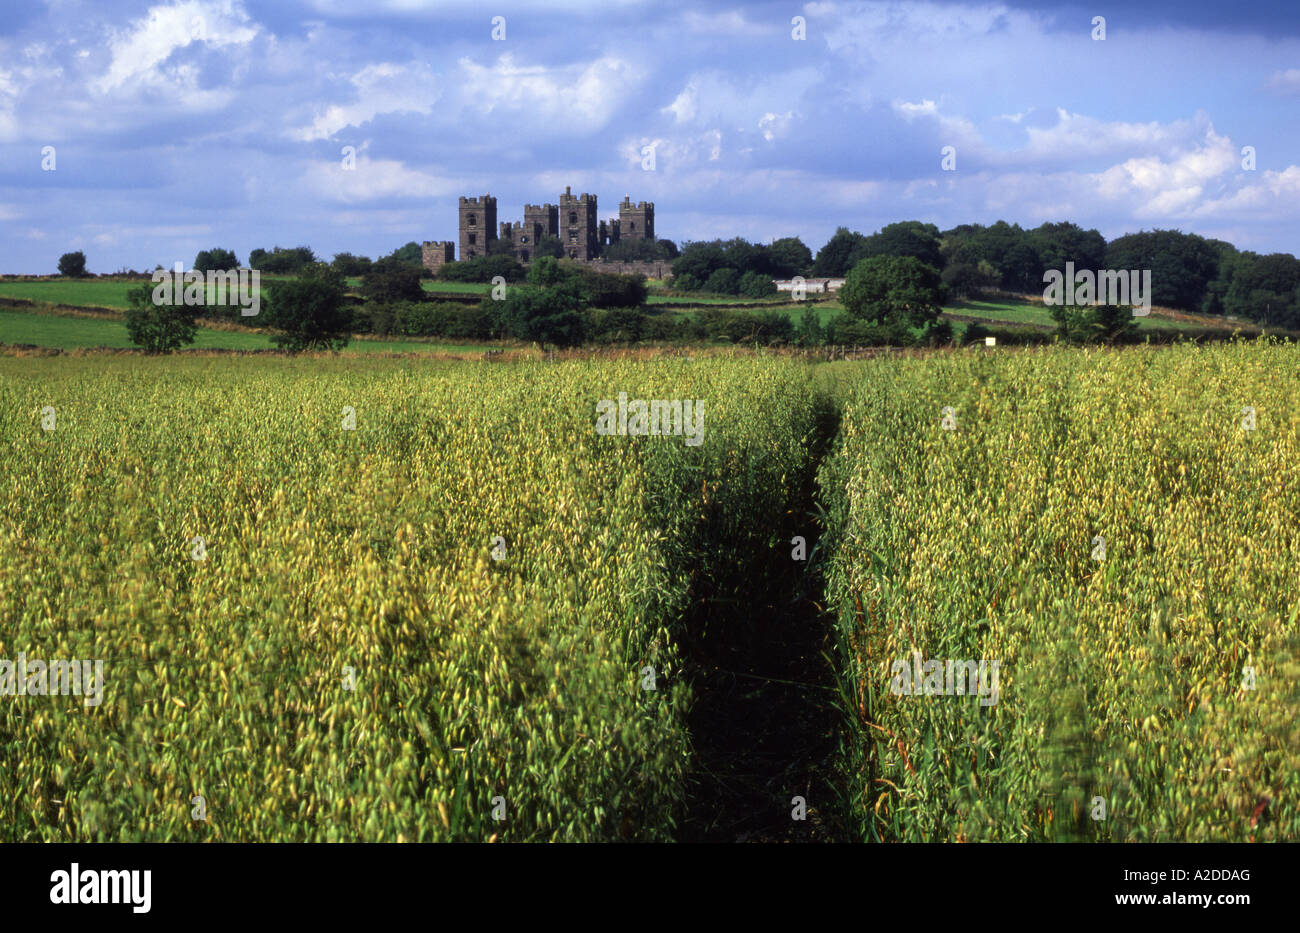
{"x":473,"y":238}
{"x":573,"y":217}
{"x":573,"y":234}
{"x":471,"y":221}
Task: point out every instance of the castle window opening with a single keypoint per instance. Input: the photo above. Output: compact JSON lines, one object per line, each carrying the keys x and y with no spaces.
{"x":473,"y":238}
{"x":573,"y":217}
{"x":472,"y":221}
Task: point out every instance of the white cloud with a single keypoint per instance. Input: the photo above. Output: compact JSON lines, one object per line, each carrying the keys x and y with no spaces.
{"x":372,"y":180}
{"x":683,"y":106}
{"x":1075,"y":136}
{"x":729,"y":23}
{"x":590,"y":94}
{"x":380,"y":88}
{"x":773,"y":125}
{"x":1170,"y":186}
{"x":925,"y":108}
{"x":1288,"y":80}
{"x":139,"y":50}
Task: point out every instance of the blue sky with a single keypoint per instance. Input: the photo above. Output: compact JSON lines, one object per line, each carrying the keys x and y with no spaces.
{"x":180,"y":126}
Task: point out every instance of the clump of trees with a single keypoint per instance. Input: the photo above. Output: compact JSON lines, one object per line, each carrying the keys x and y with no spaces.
{"x":483,"y":269}
{"x":73,"y":265}
{"x":280,"y":261}
{"x":219,"y":260}
{"x":349,"y":265}
{"x":638,"y":250}
{"x":739,"y":267}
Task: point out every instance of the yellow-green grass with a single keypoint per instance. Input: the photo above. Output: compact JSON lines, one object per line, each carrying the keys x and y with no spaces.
{"x":1146,"y":692}
{"x":349,"y":660}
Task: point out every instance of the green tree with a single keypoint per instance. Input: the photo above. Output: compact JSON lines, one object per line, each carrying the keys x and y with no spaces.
{"x":217,"y":259}
{"x":388,"y":281}
{"x":756,"y":285}
{"x":789,"y":256}
{"x":348,"y":264}
{"x":725,"y":281}
{"x":411,"y":254}
{"x":158,"y":327}
{"x":905,"y":238}
{"x":1182,"y":265}
{"x":1059,"y":243}
{"x":73,"y":265}
{"x":833,"y":258}
{"x":965,"y":280}
{"x":281,"y":261}
{"x":893,"y":290}
{"x":309,"y":311}
{"x":545,"y":315}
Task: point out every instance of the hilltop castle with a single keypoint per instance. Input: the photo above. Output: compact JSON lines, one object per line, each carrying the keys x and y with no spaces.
{"x":573,"y":221}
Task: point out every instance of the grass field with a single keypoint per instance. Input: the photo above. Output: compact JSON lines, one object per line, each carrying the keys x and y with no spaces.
{"x":71,"y":332}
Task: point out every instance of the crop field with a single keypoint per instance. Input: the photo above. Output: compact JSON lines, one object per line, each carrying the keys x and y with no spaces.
{"x":349,"y":598}
{"x":1117,"y":531}
{"x":467,"y":600}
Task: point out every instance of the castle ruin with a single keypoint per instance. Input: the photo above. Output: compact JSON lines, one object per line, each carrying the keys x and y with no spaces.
{"x":573,"y":221}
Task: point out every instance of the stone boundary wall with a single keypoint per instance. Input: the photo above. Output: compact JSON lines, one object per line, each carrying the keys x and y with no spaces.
{"x":656,"y":269}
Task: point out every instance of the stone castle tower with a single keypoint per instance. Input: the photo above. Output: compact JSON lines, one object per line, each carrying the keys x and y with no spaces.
{"x":573,"y":221}
{"x":478,"y":225}
{"x":433,"y":253}
{"x":636,"y":221}
{"x":579,"y":230}
{"x":539,"y":220}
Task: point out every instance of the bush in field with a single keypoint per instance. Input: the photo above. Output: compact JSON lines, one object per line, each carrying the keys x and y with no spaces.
{"x":388,"y":281}
{"x":1095,"y":324}
{"x":216,"y":259}
{"x":158,"y":327}
{"x":309,"y":311}
{"x":550,"y":312}
{"x":280,"y":261}
{"x":482,"y":269}
{"x":755,"y":285}
{"x":448,"y":319}
{"x":73,"y":265}
{"x":349,"y":265}
{"x":897,"y":290}
{"x":724,"y":281}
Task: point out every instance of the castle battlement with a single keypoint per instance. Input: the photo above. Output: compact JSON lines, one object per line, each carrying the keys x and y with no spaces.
{"x":573,"y":222}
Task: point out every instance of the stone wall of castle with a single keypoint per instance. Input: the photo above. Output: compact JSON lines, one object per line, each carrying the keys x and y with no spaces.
{"x":573,"y":221}
{"x":433,"y":253}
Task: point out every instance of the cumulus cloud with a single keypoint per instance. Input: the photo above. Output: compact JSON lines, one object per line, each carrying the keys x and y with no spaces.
{"x":1287,"y":80}
{"x":139,"y":49}
{"x":380,"y":88}
{"x":585,"y":95}
{"x":373,"y":180}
